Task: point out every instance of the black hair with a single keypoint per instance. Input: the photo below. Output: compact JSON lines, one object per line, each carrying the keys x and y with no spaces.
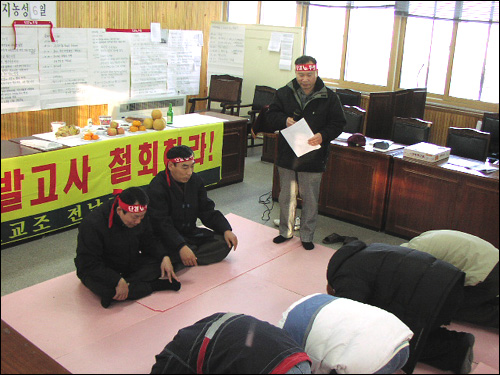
{"x":304,"y":60}
{"x":180,"y":151}
{"x":134,"y":194}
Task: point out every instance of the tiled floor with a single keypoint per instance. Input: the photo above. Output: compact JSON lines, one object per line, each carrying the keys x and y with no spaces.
{"x":260,"y":278}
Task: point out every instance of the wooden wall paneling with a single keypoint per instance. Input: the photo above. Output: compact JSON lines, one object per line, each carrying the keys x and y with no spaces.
{"x":379,"y":115}
{"x":179,"y":15}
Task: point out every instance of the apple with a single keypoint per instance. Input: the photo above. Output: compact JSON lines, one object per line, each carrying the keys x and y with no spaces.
{"x":120,"y":130}
{"x":113,"y":124}
{"x":112,"y":131}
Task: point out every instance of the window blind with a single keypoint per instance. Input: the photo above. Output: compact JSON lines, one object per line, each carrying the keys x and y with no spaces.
{"x":471,"y":11}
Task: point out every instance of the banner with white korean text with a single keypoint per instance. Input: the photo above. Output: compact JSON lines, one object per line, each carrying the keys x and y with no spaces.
{"x":48,"y":191}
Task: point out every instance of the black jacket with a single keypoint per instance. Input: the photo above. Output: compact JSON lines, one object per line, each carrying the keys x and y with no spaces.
{"x":174,"y":210}
{"x":422,"y":291}
{"x":324,"y":114}
{"x":106,"y":254}
{"x":229,"y":344}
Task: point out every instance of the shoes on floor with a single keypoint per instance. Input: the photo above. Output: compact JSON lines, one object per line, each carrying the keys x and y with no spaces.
{"x":333,"y":238}
{"x":308,"y":245}
{"x":295,"y":227}
{"x":280,"y":239}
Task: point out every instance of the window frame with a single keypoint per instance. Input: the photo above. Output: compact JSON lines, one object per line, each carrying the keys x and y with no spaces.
{"x":395,"y":62}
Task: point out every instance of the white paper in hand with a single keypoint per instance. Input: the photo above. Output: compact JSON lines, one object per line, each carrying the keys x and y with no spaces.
{"x":297,"y":136}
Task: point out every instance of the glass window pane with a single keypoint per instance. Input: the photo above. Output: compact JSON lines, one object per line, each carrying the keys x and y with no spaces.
{"x":278,"y":13}
{"x":468,"y":60}
{"x":417,"y":47}
{"x":369,"y":45}
{"x":324,"y":38}
{"x":491,"y":79}
{"x":440,"y":52}
{"x":243,"y":12}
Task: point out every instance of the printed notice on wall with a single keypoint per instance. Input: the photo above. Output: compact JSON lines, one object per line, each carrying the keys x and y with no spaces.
{"x":109,"y":66}
{"x":227,"y":50}
{"x":20,"y":79}
{"x":148,"y":67}
{"x":184,"y":61}
{"x":64,"y":76}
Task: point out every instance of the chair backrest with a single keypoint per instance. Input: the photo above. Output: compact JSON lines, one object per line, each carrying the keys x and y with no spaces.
{"x":468,"y":143}
{"x":355,"y":118}
{"x":490,"y":125}
{"x":263,"y":95}
{"x":349,"y":97}
{"x":409,"y":131}
{"x":224,"y":89}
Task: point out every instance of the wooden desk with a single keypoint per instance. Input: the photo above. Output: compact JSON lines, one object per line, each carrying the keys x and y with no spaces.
{"x":11,"y":150}
{"x":426,"y":196}
{"x":20,"y":356}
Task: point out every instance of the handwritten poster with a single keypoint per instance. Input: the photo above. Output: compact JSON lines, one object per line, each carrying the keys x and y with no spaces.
{"x":20,"y":79}
{"x":227,"y":50}
{"x":64,"y":76}
{"x":109,"y":66}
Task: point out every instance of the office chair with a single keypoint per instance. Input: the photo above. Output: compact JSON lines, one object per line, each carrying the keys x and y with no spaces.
{"x":263,"y":96}
{"x":490,"y":125}
{"x":355,"y":118}
{"x":468,"y":143}
{"x":225,"y":89}
{"x":409,"y":131}
{"x":349,"y":97}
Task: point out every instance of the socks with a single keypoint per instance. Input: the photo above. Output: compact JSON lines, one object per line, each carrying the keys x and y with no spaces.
{"x":164,"y":284}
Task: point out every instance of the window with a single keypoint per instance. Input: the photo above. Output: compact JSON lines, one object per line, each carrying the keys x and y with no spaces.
{"x":274,"y":13}
{"x":243,"y":12}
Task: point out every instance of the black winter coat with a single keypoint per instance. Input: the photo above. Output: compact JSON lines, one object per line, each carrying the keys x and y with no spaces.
{"x":105,"y":254}
{"x":229,"y":344}
{"x":324,"y":114}
{"x":174,"y":210}
{"x":422,"y":291}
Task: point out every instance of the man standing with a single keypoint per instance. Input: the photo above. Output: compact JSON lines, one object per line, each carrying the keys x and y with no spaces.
{"x":306,"y":97}
{"x":178,"y":199}
{"x":117,"y":256}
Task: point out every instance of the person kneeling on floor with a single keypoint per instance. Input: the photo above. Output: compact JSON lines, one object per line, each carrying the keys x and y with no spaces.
{"x":422,"y":291}
{"x":479,"y":260}
{"x":229,"y":343}
{"x":178,"y":199}
{"x":117,"y":256}
{"x":347,"y":337}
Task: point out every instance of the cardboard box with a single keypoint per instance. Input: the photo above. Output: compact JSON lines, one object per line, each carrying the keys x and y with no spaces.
{"x":426,"y":152}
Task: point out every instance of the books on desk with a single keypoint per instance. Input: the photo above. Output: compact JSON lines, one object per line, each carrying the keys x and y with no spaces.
{"x":426,"y":152}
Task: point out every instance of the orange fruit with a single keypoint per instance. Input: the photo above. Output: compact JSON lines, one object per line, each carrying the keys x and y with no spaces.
{"x":133,"y":128}
{"x":87,"y":137}
{"x":95,"y":136}
{"x":142,"y":128}
{"x":136,"y":123}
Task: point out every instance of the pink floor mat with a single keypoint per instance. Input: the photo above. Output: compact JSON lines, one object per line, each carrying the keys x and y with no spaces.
{"x":260,"y":278}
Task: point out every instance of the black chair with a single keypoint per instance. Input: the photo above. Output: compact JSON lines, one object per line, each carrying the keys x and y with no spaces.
{"x":409,"y":131}
{"x":468,"y":143}
{"x":224,"y":89}
{"x":349,"y":97}
{"x":263,"y":96}
{"x":355,"y":118}
{"x":490,"y":125}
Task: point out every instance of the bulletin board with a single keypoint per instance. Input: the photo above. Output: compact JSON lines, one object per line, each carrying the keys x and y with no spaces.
{"x":261,"y":66}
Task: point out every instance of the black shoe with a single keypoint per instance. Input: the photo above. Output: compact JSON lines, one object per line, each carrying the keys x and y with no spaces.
{"x":281,"y":239}
{"x":106,"y":301}
{"x":333,"y":238}
{"x":308,"y":245}
{"x":165,"y":284}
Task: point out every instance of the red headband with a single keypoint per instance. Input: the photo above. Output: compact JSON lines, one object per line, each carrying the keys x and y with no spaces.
{"x":177,"y":160}
{"x":306,"y":68}
{"x":134,"y":208}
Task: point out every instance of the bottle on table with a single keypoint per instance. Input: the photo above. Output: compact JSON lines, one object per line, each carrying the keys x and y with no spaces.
{"x":170,"y":114}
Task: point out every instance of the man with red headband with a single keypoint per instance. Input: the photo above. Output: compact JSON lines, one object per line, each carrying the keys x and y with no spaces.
{"x":117,"y":255}
{"x":178,"y":199}
{"x":306,"y":97}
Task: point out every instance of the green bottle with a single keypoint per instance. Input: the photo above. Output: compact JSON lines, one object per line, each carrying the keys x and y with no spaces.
{"x":170,"y":115}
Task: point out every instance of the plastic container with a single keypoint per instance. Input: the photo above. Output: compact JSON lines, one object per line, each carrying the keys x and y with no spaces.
{"x":56,"y":125}
{"x":105,"y":120}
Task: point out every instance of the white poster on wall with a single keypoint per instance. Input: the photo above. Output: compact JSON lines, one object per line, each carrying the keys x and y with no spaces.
{"x":109,"y":66}
{"x":227,"y":50}
{"x":20,"y":79}
{"x":28,"y":11}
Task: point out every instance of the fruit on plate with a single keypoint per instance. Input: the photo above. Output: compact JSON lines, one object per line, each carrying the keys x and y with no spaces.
{"x":120,"y":130}
{"x":156,"y":114}
{"x":113,"y":124}
{"x":67,"y":131}
{"x":136,"y":123}
{"x":89,"y":136}
{"x":112,"y":131}
{"x":159,"y":124}
{"x":148,"y":123}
